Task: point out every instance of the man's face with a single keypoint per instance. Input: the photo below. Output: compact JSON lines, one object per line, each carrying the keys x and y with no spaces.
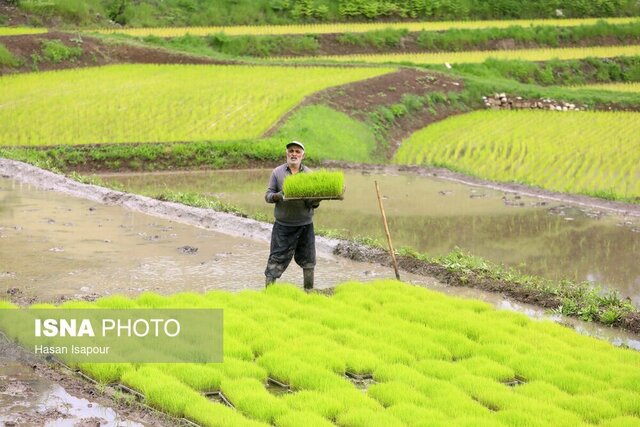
{"x":295,"y":155}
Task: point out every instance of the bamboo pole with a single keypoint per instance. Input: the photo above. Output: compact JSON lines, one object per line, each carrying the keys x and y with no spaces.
{"x":386,"y":230}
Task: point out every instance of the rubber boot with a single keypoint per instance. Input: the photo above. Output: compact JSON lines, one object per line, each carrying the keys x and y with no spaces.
{"x":308,"y":278}
{"x":269,"y":281}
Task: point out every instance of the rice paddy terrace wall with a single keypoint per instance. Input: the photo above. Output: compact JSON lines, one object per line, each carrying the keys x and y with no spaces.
{"x":156,"y":103}
{"x":576,"y":152}
{"x":387,"y":354}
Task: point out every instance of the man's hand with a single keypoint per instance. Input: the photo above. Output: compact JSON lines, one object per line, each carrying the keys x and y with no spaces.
{"x":312,"y":203}
{"x":277,"y":197}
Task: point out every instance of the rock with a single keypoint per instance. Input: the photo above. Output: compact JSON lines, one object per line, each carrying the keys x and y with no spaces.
{"x":187,"y":250}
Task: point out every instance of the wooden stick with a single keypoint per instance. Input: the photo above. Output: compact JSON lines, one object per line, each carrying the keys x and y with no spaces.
{"x":386,"y":230}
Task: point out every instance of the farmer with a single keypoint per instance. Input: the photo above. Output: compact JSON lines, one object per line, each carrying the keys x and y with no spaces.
{"x":292,"y":235}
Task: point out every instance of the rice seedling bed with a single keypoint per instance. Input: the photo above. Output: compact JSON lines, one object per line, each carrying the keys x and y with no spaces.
{"x":156,"y":103}
{"x":320,"y":185}
{"x":576,"y":152}
{"x":417,"y":355}
{"x":218,"y":397}
{"x":469,"y":57}
{"x":356,"y":27}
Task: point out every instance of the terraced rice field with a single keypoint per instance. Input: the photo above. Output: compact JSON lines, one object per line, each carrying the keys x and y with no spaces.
{"x":16,"y":31}
{"x":617,"y":87}
{"x":356,"y":27}
{"x":431,"y":360}
{"x":468,"y":57}
{"x":156,"y":103}
{"x":576,"y":152}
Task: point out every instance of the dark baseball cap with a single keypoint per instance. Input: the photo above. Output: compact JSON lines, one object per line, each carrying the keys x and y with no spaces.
{"x":299,"y":144}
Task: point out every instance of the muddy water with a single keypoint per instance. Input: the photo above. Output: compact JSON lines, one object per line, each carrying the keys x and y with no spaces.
{"x":52,"y":245}
{"x":434,"y":216}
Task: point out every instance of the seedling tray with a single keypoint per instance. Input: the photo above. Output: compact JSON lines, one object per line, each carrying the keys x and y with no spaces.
{"x":218,"y":396}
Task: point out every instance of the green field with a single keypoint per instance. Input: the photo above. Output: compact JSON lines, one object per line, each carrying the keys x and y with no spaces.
{"x":357,"y":27}
{"x":575,"y":152}
{"x":616,"y":87}
{"x":161,"y":103}
{"x":468,"y":57}
{"x":17,"y":31}
{"x":435,"y":360}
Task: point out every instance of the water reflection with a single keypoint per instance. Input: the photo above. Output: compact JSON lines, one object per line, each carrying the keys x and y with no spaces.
{"x":435,"y":216}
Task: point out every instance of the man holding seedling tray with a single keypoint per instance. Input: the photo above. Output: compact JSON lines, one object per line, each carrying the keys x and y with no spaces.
{"x":292,"y":235}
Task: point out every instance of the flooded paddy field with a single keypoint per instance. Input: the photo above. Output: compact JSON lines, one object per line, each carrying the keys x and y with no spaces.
{"x":538,"y":236}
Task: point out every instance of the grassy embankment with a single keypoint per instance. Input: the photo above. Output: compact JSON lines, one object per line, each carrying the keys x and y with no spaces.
{"x":461,"y":36}
{"x":431,"y":357}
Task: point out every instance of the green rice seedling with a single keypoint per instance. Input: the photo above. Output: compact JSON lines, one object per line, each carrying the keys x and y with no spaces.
{"x":116,"y":302}
{"x":160,"y":390}
{"x":481,"y":366}
{"x":573,"y":382}
{"x":589,"y":408}
{"x":542,"y":391}
{"x":188,"y":300}
{"x":323,"y":404}
{"x":152,"y":300}
{"x":212,"y":414}
{"x":512,"y":417}
{"x":307,"y":418}
{"x":251,"y":398}
{"x":455,"y":403}
{"x":363,"y":417}
{"x":286,"y":291}
{"x":625,"y":401}
{"x":236,"y":349}
{"x":9,"y":305}
{"x":320,"y":353}
{"x":198,"y":377}
{"x":236,"y":368}
{"x":488,"y":392}
{"x":394,"y":392}
{"x":460,"y":346}
{"x":418,"y":416}
{"x":105,"y":373}
{"x":626,"y":421}
{"x":76,"y":305}
{"x":361,"y":361}
{"x":500,"y":353}
{"x":351,"y":397}
{"x":320,"y":183}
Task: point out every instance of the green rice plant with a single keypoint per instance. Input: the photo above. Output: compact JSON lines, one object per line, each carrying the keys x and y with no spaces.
{"x":9,"y":305}
{"x":321,"y":183}
{"x":519,"y":146}
{"x":116,"y":302}
{"x":393,"y":393}
{"x":236,"y":349}
{"x":250,"y":397}
{"x":362,"y":417}
{"x":418,"y":416}
{"x":624,"y":401}
{"x":306,"y":418}
{"x":440,"y":369}
{"x":357,"y":27}
{"x":18,"y":31}
{"x":105,"y":373}
{"x":160,"y":390}
{"x":152,"y":300}
{"x":321,"y":403}
{"x":484,"y":367}
{"x":198,"y":377}
{"x":211,"y":414}
{"x":478,"y":56}
{"x":626,"y":421}
{"x":166,"y":102}
{"x":589,"y":408}
{"x":56,"y":51}
{"x":236,"y":368}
